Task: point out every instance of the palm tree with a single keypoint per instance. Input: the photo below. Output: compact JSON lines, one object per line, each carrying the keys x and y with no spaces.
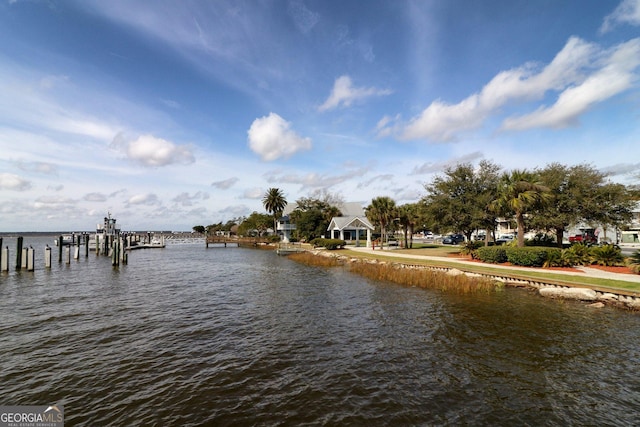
{"x":274,"y":202}
{"x":409,"y":215}
{"x":519,"y":192}
{"x":381,"y":210}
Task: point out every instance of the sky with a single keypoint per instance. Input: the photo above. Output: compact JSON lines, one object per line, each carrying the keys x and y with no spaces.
{"x":170,"y":114}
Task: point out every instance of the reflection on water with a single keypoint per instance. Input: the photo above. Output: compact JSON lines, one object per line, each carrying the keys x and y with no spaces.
{"x":192,"y":336}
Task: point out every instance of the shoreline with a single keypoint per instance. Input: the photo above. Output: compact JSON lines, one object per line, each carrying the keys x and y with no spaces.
{"x":594,"y":296}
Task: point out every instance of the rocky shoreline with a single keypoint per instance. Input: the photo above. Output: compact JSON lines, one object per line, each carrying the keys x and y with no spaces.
{"x":596,"y":298}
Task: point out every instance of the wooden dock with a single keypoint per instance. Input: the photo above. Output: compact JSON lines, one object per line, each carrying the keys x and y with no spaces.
{"x":235,"y":241}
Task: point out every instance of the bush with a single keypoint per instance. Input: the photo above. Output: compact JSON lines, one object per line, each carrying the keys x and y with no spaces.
{"x":634,"y":262}
{"x":542,"y":239}
{"x":492,"y":254}
{"x":608,"y":255}
{"x":470,"y":248}
{"x":330,"y":244}
{"x":533,"y":256}
{"x":577,"y":254}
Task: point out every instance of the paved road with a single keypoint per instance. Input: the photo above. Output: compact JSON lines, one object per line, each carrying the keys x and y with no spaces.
{"x":591,"y":272}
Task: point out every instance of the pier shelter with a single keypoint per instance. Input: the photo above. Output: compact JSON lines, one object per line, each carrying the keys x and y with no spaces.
{"x":353,"y":228}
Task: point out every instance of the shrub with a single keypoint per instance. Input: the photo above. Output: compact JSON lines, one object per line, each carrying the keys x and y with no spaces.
{"x":577,"y":254}
{"x":634,"y":262}
{"x":470,"y":248}
{"x":492,"y":254}
{"x":330,"y":244}
{"x":541,"y":239}
{"x":608,"y":255}
{"x":532,"y":256}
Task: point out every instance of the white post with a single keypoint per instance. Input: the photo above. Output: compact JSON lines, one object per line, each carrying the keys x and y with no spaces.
{"x":76,"y":252}
{"x":47,"y":257}
{"x":4,"y":259}
{"x":23,"y":264}
{"x":368,"y":238}
{"x":67,"y":254}
{"x":30,"y":259}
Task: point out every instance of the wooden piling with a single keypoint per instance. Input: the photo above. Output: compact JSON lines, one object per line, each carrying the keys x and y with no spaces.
{"x":86,"y":245}
{"x":60,"y":249}
{"x":19,"y":253}
{"x":30,"y":259}
{"x":76,"y":251}
{"x":47,"y":257}
{"x":23,"y":263}
{"x":67,"y":255}
{"x":97,"y":244}
{"x":4,"y":259}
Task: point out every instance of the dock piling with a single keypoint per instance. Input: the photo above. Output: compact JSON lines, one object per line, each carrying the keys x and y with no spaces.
{"x":30,"y":259}
{"x":4,"y":259}
{"x":19,"y":253}
{"x":47,"y":257}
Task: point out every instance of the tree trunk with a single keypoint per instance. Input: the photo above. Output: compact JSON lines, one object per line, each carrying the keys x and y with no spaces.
{"x":520,"y":222}
{"x":559,"y":235}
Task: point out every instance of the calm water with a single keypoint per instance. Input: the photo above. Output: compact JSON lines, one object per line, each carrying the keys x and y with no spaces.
{"x":189,"y":336}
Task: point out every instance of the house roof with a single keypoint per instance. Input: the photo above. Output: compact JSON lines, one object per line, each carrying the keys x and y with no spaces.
{"x":349,"y":223}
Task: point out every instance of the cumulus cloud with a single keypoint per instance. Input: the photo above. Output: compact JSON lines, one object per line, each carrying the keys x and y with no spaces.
{"x":343,"y":93}
{"x":148,"y":199}
{"x":616,"y":75}
{"x":442,"y":122}
{"x":434,"y":167}
{"x":9,"y":181}
{"x":225,"y":184}
{"x":150,"y":151}
{"x":185,"y":199}
{"x":271,"y":137}
{"x":253,"y":193}
{"x":627,"y":12}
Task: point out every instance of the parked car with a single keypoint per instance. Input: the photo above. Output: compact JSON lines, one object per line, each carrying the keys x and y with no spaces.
{"x":453,"y":239}
{"x":505,"y":238}
{"x":586,"y":239}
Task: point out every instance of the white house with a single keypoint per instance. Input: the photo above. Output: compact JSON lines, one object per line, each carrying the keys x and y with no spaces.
{"x":352,"y":225}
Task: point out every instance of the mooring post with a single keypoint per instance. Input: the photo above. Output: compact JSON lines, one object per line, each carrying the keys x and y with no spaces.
{"x":76,"y":251}
{"x":97,"y":244}
{"x":47,"y":257}
{"x":67,"y":255}
{"x":30,"y":259}
{"x":4,"y":259}
{"x":86,"y":245}
{"x":60,"y":249}
{"x":24,"y":258}
{"x":19,"y":253}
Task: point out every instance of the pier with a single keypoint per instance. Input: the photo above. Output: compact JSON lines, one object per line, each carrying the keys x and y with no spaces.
{"x":236,"y":241}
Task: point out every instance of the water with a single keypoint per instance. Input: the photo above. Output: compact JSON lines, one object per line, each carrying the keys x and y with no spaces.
{"x":189,"y":336}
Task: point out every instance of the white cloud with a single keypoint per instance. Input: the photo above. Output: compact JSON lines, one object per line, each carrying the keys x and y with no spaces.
{"x":9,"y":181}
{"x":442,"y":122}
{"x":185,"y":199}
{"x":225,"y":184}
{"x":271,"y":138}
{"x":148,"y":199}
{"x":303,"y":18}
{"x":615,"y":76}
{"x":150,"y":151}
{"x":95,"y":197}
{"x":627,"y":12}
{"x":433,"y":167}
{"x":344,"y":93}
{"x":314,"y":180}
{"x":38,"y":167}
{"x":253,"y":193}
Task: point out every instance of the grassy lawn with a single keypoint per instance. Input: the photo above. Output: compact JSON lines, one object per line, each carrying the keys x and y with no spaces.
{"x":443,"y":251}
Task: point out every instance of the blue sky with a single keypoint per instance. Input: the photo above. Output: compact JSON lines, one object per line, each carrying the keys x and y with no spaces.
{"x":171,"y":114}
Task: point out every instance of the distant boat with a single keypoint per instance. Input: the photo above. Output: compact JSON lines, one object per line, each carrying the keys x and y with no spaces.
{"x":67,"y":240}
{"x":108,"y":229}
